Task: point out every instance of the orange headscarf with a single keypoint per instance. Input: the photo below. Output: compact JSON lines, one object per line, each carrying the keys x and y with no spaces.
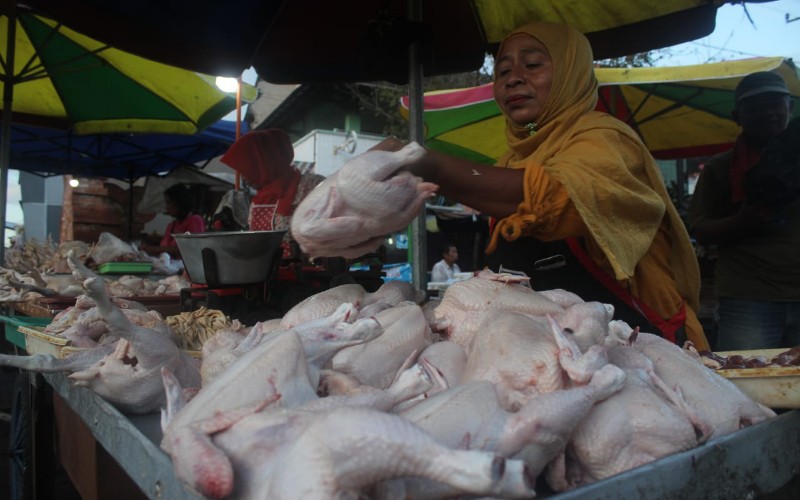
{"x":621,"y":212}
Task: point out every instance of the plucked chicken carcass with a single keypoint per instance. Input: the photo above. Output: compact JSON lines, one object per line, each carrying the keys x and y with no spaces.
{"x":541,"y":383}
{"x":518,"y":355}
{"x":464,"y":304}
{"x":129,"y":377}
{"x":241,"y":436}
{"x":350,"y":212}
{"x":405,"y":331}
{"x":323,"y":304}
{"x":722,"y":405}
{"x":281,"y":364}
{"x":342,"y":451}
{"x":635,"y":426}
{"x":288,"y":454}
{"x":470,"y":417}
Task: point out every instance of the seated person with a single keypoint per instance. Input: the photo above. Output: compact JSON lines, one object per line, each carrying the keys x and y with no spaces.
{"x":179,"y":205}
{"x":264,"y":159}
{"x":446,"y":269}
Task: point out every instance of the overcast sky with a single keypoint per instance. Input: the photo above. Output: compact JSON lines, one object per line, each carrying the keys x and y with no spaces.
{"x":736,"y":36}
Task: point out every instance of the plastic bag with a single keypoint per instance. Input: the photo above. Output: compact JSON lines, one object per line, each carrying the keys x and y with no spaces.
{"x":109,"y":248}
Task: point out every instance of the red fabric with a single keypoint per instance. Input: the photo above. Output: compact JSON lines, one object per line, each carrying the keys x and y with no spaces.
{"x":261,"y":217}
{"x":191,"y":224}
{"x":261,"y":156}
{"x":264,"y":159}
{"x":668,"y":327}
{"x":280,"y":192}
{"x":744,"y":157}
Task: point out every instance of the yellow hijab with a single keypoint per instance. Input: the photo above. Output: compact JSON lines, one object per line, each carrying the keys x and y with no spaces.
{"x":621,"y":213}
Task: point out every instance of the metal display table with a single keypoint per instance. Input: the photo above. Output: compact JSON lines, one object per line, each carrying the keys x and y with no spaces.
{"x":745,"y":464}
{"x":132,"y":440}
{"x":748,"y":463}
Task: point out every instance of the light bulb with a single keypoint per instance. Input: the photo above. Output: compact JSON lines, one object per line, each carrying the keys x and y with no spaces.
{"x":74,"y":183}
{"x":227,"y":84}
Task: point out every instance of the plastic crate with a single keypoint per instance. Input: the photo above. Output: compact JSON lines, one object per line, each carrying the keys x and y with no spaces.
{"x":13,"y":324}
{"x":125,"y":268}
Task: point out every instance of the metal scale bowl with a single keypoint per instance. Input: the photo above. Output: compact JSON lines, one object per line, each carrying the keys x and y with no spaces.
{"x":229,"y":269}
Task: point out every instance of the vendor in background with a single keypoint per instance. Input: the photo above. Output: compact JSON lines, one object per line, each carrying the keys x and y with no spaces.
{"x":264,"y":159}
{"x":578,"y":200}
{"x":757,"y":273}
{"x":446,"y":269}
{"x":178,"y":199}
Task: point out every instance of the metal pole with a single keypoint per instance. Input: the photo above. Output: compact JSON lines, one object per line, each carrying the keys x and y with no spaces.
{"x":131,"y":180}
{"x":5,"y":139}
{"x":237,"y":181}
{"x":418,"y":244}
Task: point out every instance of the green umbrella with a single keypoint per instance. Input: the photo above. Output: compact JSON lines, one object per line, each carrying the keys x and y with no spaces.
{"x":63,"y":79}
{"x":66,"y":80}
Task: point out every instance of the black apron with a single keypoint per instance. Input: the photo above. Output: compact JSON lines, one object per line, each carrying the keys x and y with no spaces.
{"x":563,"y":264}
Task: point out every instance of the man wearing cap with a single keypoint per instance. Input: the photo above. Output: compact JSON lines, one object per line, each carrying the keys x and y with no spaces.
{"x":757,"y":274}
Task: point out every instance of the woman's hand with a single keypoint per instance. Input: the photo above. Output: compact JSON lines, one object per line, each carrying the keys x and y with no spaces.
{"x":390,"y":144}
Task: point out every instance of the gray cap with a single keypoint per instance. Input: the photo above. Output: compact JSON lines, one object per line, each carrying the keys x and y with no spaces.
{"x":760,"y":82}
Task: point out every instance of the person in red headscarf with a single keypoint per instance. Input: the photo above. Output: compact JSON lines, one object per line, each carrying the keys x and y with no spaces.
{"x":264,"y":159}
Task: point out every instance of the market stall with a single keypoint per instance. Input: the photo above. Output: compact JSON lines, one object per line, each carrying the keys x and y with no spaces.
{"x":728,"y":459}
{"x":758,"y":459}
{"x":749,"y":463}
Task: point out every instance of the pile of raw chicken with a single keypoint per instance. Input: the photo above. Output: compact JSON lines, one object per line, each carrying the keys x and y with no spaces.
{"x":380,"y":395}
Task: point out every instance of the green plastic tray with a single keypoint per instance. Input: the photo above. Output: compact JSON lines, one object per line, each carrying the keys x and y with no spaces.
{"x":125,"y":268}
{"x":12,"y":324}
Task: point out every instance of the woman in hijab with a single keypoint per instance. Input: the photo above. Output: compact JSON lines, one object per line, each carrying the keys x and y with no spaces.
{"x":264,"y":159}
{"x":577,"y":202}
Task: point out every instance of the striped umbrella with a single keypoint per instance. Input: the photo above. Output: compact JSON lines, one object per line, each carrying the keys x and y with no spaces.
{"x":679,"y":111}
{"x":53,"y":76}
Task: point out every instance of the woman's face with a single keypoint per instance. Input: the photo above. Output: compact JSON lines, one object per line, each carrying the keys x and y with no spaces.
{"x":173,"y":208}
{"x":523,"y":75}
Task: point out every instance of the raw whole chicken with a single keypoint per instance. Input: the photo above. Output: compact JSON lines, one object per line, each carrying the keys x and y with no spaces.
{"x":277,"y":365}
{"x":323,"y":304}
{"x":528,"y":383}
{"x":129,"y":377}
{"x":350,"y":212}
{"x":241,"y":436}
{"x":723,"y":405}
{"x":405,"y":332}
{"x":518,"y":354}
{"x":227,"y":345}
{"x":635,"y":426}
{"x":470,"y":417}
{"x":336,"y":453}
{"x":466,"y":302}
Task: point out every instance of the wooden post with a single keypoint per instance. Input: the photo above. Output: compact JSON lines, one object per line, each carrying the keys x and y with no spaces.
{"x":67,"y":232}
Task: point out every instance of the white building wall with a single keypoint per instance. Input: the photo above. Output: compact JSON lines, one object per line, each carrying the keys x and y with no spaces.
{"x":329,"y":150}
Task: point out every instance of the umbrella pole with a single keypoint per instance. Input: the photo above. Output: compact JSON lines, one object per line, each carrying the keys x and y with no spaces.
{"x":130,"y":206}
{"x":418,"y":244}
{"x":238,"y":122}
{"x":5,"y":138}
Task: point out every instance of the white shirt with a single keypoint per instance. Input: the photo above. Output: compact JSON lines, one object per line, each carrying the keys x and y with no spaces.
{"x":442,"y":272}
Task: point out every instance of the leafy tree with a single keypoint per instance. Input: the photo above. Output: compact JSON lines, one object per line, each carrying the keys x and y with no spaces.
{"x":639,"y":60}
{"x":382,"y":99}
